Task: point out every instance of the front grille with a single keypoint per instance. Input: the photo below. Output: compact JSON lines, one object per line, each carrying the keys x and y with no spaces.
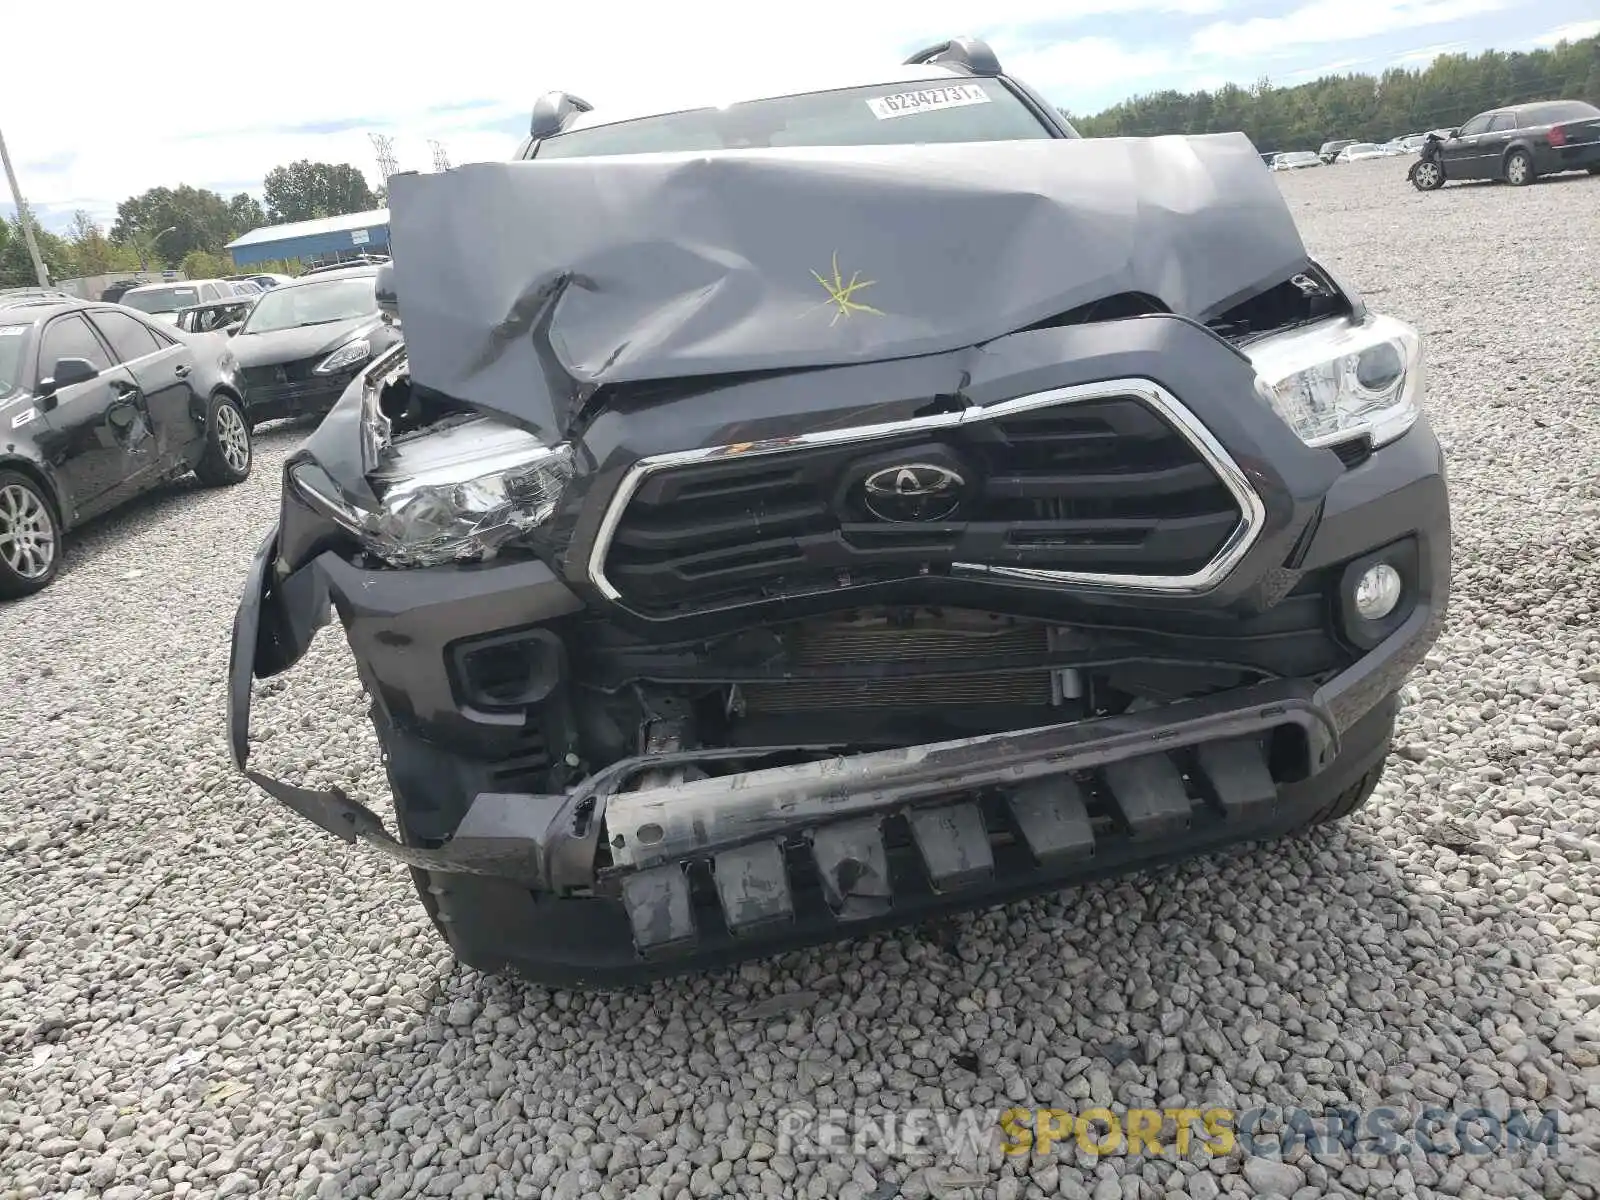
{"x":261,"y":389}
{"x":302,"y":371}
{"x":1103,"y":486}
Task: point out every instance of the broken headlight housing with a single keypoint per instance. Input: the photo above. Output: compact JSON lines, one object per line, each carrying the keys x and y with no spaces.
{"x":453,"y":493}
{"x":1340,"y":379}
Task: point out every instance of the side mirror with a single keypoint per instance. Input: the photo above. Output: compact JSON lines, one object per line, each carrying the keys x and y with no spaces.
{"x":1455,"y":133}
{"x":230,"y":330}
{"x":384,"y":290}
{"x":68,"y":371}
{"x":551,"y":113}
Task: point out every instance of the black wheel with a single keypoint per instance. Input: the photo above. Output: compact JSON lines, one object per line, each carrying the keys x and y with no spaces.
{"x":1519,"y":168}
{"x":30,"y":537}
{"x":229,"y":447}
{"x":1427,"y":177}
{"x":1593,"y":170}
{"x":1344,"y":788}
{"x":1348,"y":802}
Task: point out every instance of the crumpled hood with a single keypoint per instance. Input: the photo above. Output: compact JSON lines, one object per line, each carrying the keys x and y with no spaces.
{"x":523,"y":286}
{"x":291,"y":345}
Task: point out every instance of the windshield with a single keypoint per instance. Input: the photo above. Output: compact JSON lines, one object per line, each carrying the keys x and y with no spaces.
{"x":11,"y":339}
{"x":885,"y":114}
{"x":161,"y":300}
{"x":312,"y":304}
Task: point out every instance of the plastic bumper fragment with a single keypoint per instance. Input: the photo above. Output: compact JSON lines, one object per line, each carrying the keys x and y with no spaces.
{"x":1053,"y":819}
{"x":854,"y":868}
{"x":659,"y":909}
{"x":753,"y":886}
{"x":954,"y":845}
{"x":1149,"y":793}
{"x":1238,"y":771}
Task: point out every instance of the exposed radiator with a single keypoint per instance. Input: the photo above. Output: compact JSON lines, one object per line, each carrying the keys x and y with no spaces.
{"x":932,"y":642}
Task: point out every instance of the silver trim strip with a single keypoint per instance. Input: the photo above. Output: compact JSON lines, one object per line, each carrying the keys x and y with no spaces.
{"x":1252,"y":510}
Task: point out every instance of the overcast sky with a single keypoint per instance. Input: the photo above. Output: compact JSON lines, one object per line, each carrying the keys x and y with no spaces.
{"x":312,"y":80}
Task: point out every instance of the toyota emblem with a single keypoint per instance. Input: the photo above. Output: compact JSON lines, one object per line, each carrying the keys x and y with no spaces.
{"x":913,"y":492}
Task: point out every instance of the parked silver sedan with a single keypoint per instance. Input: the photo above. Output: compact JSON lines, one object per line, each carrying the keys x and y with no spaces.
{"x":1293,"y":160}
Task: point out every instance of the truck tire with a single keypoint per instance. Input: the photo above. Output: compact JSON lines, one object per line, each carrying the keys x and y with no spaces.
{"x":1369,"y":742}
{"x":1348,"y":802}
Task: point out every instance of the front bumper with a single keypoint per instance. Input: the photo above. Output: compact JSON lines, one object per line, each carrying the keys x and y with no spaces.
{"x":296,"y":398}
{"x":780,"y":854}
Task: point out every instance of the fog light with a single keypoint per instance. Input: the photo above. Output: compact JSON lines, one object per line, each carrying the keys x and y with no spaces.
{"x":1377,"y":592}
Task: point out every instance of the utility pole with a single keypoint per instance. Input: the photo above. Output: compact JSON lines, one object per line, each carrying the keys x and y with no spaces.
{"x":383,"y":145}
{"x":24,"y":217}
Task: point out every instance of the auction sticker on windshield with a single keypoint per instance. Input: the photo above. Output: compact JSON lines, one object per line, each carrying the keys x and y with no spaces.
{"x":903,"y":104}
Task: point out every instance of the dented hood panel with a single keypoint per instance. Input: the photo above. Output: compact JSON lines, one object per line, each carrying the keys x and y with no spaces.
{"x":526,"y":285}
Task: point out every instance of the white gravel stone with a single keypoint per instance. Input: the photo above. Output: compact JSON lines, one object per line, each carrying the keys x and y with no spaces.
{"x":202,"y":995}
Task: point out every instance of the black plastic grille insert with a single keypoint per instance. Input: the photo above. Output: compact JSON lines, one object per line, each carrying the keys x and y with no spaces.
{"x":1102,"y":486}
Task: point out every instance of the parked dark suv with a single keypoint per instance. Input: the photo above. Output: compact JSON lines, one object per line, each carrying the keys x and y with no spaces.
{"x":867,"y":503}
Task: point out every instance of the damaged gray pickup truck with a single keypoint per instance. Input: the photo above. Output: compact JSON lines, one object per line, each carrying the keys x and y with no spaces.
{"x":817,"y":513}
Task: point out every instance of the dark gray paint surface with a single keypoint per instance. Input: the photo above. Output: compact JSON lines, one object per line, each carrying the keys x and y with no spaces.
{"x":524,"y":285}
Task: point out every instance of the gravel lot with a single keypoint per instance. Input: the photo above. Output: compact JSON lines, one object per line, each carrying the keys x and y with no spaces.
{"x":200,"y":995}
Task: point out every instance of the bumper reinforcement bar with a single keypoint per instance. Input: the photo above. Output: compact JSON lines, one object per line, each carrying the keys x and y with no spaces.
{"x":549,"y":842}
{"x":661,"y":824}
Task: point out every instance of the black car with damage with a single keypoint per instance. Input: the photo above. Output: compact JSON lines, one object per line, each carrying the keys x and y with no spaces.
{"x":302,"y":342}
{"x":872,"y":503}
{"x":1518,"y":144}
{"x":98,"y":404}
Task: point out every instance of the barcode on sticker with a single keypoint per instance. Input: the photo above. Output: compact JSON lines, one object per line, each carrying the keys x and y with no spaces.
{"x":903,"y":104}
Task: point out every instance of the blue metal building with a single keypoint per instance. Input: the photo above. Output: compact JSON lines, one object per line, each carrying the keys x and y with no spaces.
{"x":366,"y":232}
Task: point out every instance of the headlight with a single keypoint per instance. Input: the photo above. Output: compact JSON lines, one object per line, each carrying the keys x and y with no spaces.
{"x":455,"y":494}
{"x":346,"y":356}
{"x":1338,"y":379}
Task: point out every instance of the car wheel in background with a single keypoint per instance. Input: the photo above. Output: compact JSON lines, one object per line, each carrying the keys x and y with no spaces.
{"x":30,"y":537}
{"x":229,"y":446}
{"x":1427,"y":177}
{"x":1519,"y":168}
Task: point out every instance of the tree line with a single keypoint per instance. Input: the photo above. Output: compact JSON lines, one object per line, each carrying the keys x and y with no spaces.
{"x":184,"y":227}
{"x":1376,"y":108}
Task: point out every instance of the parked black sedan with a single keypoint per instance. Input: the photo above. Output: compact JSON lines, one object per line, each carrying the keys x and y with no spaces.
{"x":97,"y":404}
{"x":1516,"y":144}
{"x":304,"y":341}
